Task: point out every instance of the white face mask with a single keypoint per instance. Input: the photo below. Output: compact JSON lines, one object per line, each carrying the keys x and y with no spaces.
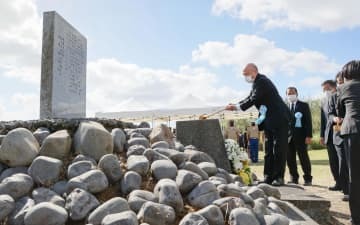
{"x":327,"y":93}
{"x":292,"y":98}
{"x":249,"y":79}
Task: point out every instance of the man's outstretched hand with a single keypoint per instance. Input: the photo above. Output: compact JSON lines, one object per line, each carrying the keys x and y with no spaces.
{"x":231,"y":107}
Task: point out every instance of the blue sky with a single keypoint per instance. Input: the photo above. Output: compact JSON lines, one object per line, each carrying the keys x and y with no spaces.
{"x":174,"y":54}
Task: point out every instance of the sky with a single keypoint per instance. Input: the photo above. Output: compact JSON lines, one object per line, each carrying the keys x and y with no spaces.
{"x":161,"y":54}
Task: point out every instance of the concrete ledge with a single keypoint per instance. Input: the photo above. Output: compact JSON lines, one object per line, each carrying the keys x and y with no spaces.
{"x":296,"y":216}
{"x":312,"y":205}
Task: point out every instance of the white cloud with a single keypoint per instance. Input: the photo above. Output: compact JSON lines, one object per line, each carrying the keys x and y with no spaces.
{"x":269,"y":57}
{"x":20,"y":106}
{"x":326,"y":15}
{"x":116,"y":86}
{"x":20,"y":40}
{"x":314,"y":81}
{"x":111,"y":84}
{"x":2,"y":113}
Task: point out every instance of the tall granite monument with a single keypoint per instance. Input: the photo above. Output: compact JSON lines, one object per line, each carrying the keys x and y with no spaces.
{"x":63,"y":69}
{"x":206,"y":136}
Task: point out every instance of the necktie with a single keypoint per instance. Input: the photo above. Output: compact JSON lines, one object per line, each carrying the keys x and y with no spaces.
{"x":292,"y":108}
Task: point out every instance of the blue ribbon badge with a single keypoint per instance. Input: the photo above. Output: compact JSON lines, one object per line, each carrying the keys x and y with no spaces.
{"x":298,"y":116}
{"x":262,"y":111}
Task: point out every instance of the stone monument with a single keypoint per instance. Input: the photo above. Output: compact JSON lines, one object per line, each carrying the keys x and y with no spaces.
{"x":205,"y":135}
{"x":63,"y":69}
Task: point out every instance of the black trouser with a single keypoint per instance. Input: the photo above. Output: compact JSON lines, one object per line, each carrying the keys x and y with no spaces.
{"x":276,"y":147}
{"x":352,"y":153}
{"x":333,"y":161}
{"x":302,"y":152}
{"x":343,"y":180}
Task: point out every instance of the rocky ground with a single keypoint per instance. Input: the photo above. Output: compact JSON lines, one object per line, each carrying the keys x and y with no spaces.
{"x":136,"y":176}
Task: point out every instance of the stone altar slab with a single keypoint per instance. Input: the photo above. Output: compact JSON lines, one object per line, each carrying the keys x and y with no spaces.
{"x":63,"y":69}
{"x":205,"y":135}
{"x":314,"y":206}
{"x":296,"y":216}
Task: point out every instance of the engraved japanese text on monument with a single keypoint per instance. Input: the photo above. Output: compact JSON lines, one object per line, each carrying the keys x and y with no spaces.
{"x":64,"y":95}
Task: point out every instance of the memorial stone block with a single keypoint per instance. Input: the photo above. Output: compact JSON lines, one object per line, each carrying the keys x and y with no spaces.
{"x":206,"y":135}
{"x":63,"y":69}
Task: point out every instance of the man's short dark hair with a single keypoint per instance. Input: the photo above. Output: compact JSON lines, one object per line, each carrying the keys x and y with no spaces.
{"x":331,"y":83}
{"x":351,"y":70}
{"x":292,"y":88}
{"x":339,"y":75}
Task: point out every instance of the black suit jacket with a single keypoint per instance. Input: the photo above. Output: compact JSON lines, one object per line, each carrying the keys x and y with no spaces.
{"x":265,"y":93}
{"x":326,"y":130}
{"x":300,"y":133}
{"x":337,"y":139}
{"x":349,"y":107}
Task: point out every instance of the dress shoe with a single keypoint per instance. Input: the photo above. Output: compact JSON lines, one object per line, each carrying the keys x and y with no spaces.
{"x":266,"y":181}
{"x":278,"y":182}
{"x":351,"y":221}
{"x":345,"y":198}
{"x":307,"y":183}
{"x":335,"y":188}
{"x":293,"y":182}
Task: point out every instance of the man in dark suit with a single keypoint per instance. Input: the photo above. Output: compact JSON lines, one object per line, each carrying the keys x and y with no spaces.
{"x":338,"y":141}
{"x":349,"y":108}
{"x":274,"y":120}
{"x":301,"y":137}
{"x":326,"y":133}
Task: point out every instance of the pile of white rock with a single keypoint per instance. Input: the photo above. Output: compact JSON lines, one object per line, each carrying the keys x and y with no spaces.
{"x":58,"y":179}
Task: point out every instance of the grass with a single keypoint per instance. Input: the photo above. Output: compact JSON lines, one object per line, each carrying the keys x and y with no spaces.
{"x":319,"y":166}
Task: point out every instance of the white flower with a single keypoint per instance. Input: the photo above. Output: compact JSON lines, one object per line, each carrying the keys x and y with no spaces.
{"x":235,"y":154}
{"x":237,"y":165}
{"x":243,"y":156}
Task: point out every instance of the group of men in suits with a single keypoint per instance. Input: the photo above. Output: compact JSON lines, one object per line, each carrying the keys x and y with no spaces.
{"x":347,"y":106}
{"x":331,"y":137}
{"x":288,"y":130}
{"x":340,"y":119}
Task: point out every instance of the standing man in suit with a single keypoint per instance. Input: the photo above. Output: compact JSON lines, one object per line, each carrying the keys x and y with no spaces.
{"x":338,"y":141}
{"x":349,"y":108}
{"x":301,"y":137}
{"x":274,"y":120}
{"x":326,"y":132}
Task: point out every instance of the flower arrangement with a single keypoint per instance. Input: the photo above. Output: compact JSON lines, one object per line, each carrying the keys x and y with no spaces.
{"x":239,"y":160}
